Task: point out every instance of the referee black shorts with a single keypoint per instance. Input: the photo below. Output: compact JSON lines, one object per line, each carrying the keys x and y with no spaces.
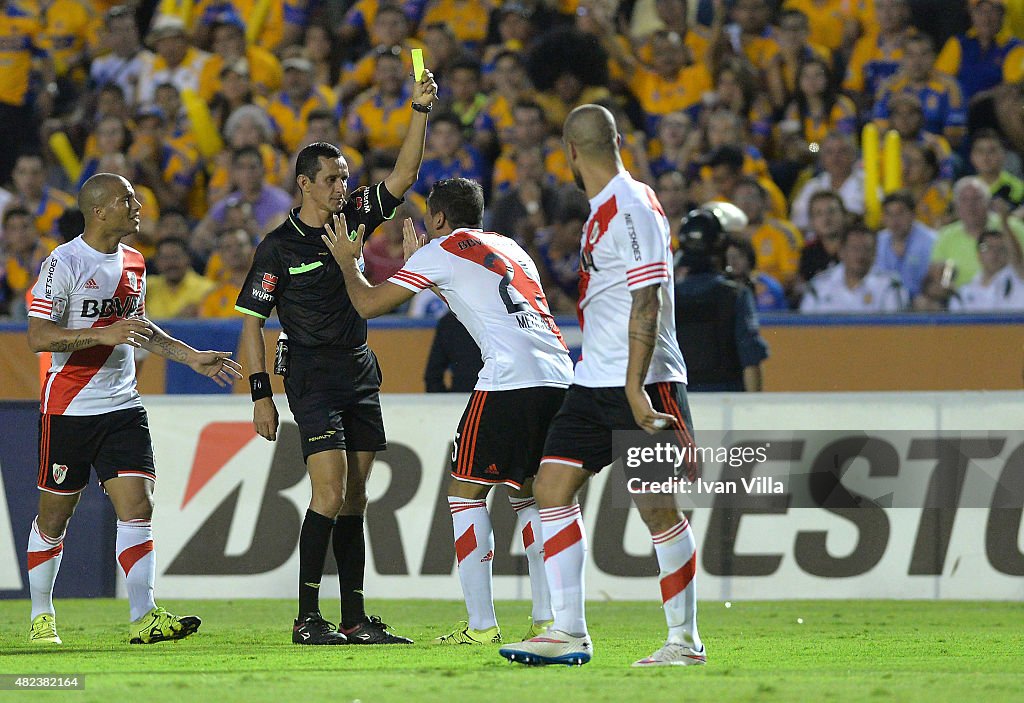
{"x":501,"y":435}
{"x":334,"y":396}
{"x":581,"y":433}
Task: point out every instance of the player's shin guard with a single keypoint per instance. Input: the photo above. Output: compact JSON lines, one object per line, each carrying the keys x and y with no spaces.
{"x":44,"y":553}
{"x":350,"y":553}
{"x":565,"y":555}
{"x":677,"y":558}
{"x":314,"y":538}
{"x":474,"y":549}
{"x":530,"y":530}
{"x":134,"y":548}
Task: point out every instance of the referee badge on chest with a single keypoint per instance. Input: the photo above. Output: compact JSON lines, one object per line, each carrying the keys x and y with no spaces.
{"x":269,"y":282}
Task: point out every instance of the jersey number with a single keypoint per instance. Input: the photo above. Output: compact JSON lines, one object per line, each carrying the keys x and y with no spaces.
{"x":490,"y":262}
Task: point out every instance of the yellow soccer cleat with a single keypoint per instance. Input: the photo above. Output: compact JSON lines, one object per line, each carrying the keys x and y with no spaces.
{"x":537,"y":628}
{"x":464,"y":635}
{"x":44,"y":630}
{"x":158,"y":625}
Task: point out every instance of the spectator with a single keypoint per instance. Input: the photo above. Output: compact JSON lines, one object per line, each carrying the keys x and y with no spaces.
{"x":466,"y":101}
{"x":469,"y":19}
{"x":33,"y":194}
{"x":832,"y":25}
{"x":940,"y":95}
{"x":751,"y":33}
{"x":827,"y":222}
{"x":249,"y":127}
{"x":177,"y":290}
{"x":837,"y":160}
{"x":235,"y":249}
{"x":777,"y":242}
{"x":817,"y":106}
{"x":794,"y":51}
{"x":207,"y":14}
{"x":878,"y":54}
{"x":725,"y":128}
{"x":270,"y":204}
{"x":322,"y":49}
{"x":921,"y":178}
{"x":674,"y":196}
{"x":529,"y":129}
{"x":741,"y":266}
{"x":515,"y":27}
{"x":936,"y":290}
{"x":906,"y":116}
{"x":109,"y":137}
{"x":905,"y":245}
{"x":979,"y":58}
{"x":568,"y":69}
{"x":999,"y":284}
{"x":558,"y":251}
{"x":126,"y":58}
{"x":390,"y":34}
{"x":449,"y":155}
{"x":233,"y":92}
{"x":229,"y":47}
{"x":738,"y":90}
{"x":852,"y":286}
{"x":166,"y":165}
{"x":529,"y":205}
{"x":175,"y":61}
{"x":24,"y":251}
{"x":379,"y":118}
{"x":495,"y":121}
{"x":454,"y":361}
{"x":289,"y":109}
{"x":959,"y":241}
{"x":988,"y":157}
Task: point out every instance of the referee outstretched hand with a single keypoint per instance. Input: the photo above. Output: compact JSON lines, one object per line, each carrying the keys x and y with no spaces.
{"x":344,"y":248}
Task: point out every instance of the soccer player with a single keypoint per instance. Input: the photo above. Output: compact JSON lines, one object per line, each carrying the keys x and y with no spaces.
{"x":88,"y":310}
{"x":631,"y":377}
{"x":333,"y":380}
{"x":493,"y":287}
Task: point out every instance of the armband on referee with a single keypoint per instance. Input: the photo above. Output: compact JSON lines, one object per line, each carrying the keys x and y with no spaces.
{"x":259,"y":386}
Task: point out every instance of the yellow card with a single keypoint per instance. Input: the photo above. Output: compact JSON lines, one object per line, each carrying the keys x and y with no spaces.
{"x":417,"y":63}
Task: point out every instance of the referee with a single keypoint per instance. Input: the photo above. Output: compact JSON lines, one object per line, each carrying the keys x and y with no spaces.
{"x":333,"y":379}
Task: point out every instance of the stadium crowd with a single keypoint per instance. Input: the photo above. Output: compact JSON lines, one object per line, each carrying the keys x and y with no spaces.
{"x":204,"y":105}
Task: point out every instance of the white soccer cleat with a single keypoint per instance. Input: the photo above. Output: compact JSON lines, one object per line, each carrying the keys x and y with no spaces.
{"x":675,"y":654}
{"x":550,"y":647}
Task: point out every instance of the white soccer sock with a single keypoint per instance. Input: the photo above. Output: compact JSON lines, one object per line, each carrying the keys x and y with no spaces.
{"x":134,"y":549}
{"x":565,"y":556}
{"x":474,"y":549}
{"x":529,"y":528}
{"x":677,"y":559}
{"x":44,"y":553}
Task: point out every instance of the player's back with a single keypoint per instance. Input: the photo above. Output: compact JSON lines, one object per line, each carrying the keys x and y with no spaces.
{"x":78,"y":288}
{"x":625,"y":247}
{"x":492,"y":286}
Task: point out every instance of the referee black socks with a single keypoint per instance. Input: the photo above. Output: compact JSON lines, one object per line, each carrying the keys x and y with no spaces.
{"x":350,"y":553}
{"x":313,"y":540}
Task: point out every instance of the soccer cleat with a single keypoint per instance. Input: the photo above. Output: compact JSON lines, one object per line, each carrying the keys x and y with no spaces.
{"x":373,"y":631}
{"x":537,"y":628}
{"x":675,"y":654}
{"x":44,"y":630}
{"x":313,"y":629}
{"x":464,"y":635}
{"x":158,"y":626}
{"x":550,"y":647}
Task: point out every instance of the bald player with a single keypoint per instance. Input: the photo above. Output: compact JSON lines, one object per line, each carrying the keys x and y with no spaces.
{"x":88,"y":311}
{"x":631,"y":378}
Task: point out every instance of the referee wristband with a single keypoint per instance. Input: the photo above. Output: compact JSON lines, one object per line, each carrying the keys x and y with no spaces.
{"x":259,"y":386}
{"x":419,"y":107}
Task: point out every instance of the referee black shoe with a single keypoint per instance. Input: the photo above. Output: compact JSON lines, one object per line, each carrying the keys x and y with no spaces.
{"x":373,"y":631}
{"x":313,"y":629}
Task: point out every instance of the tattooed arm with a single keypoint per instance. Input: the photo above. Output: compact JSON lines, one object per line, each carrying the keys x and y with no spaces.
{"x":215,"y":364}
{"x":644,"y":316}
{"x":47,"y":336}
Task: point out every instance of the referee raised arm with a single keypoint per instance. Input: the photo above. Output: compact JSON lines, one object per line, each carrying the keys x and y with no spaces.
{"x":333,"y":379}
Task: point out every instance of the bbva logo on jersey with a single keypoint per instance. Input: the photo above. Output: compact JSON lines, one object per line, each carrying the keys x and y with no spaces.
{"x":110,"y":307}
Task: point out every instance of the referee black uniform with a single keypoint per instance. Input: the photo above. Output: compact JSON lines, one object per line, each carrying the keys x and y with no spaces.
{"x":333,"y":378}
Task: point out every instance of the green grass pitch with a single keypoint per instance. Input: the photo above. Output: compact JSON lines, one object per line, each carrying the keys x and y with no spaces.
{"x":757,"y":651}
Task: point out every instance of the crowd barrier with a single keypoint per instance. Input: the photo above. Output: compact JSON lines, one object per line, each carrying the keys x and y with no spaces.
{"x":230,"y":504}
